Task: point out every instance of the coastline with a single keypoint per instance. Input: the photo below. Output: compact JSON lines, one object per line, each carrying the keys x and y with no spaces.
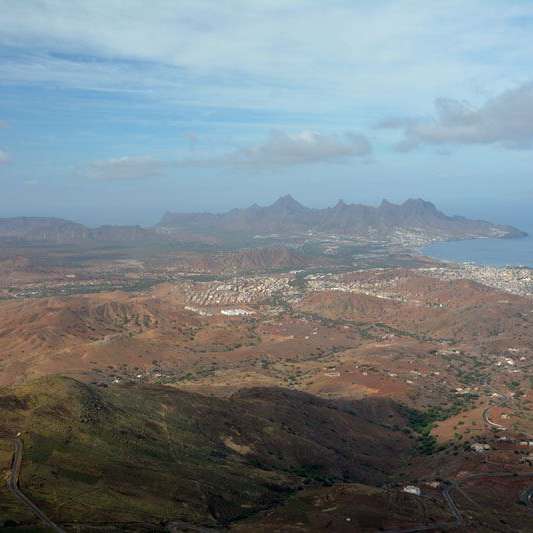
{"x":516,"y":252}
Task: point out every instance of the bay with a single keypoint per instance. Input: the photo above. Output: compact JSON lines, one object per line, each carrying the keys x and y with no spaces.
{"x":491,"y":252}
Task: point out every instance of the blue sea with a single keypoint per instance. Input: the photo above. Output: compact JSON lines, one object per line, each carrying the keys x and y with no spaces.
{"x":493,"y":252}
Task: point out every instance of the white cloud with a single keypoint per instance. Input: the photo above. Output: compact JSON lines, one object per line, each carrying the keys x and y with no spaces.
{"x":124,"y":168}
{"x":281,"y":149}
{"x":284,"y":149}
{"x":506,"y":119}
{"x":4,"y":157}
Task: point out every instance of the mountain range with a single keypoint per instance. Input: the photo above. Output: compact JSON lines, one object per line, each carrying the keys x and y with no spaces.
{"x":285,"y":216}
{"x":288,"y":215}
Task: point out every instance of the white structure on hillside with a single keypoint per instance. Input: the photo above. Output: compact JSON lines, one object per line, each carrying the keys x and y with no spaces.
{"x":236,"y":312}
{"x":480,"y":447}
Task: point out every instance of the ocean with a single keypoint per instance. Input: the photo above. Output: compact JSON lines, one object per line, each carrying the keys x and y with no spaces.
{"x":492,"y":252}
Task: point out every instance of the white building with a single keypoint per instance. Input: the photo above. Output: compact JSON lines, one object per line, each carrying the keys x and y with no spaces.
{"x":236,"y":312}
{"x":480,"y":447}
{"x":412,"y":489}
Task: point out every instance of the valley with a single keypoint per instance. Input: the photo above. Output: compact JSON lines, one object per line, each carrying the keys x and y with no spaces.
{"x":299,"y":385}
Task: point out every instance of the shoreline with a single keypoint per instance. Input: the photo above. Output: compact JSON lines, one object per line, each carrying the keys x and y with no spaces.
{"x":476,"y":256}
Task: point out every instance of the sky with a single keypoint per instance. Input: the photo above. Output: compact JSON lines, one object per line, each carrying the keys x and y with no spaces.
{"x":114,"y":111}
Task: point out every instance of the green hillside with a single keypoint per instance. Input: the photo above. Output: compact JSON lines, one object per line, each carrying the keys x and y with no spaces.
{"x":154,"y":454}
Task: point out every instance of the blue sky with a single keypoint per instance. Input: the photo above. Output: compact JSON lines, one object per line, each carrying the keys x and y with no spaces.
{"x":115,"y":111}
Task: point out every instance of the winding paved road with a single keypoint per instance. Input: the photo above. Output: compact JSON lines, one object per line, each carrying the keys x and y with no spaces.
{"x":489,"y":422}
{"x":13,"y":486}
{"x":526,"y":497}
{"x":452,"y":506}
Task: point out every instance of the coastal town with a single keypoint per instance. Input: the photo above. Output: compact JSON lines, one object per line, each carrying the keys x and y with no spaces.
{"x":246,"y":289}
{"x":515,"y":280}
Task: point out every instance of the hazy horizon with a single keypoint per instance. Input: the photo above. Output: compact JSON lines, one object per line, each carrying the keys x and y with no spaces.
{"x":114,"y":112}
{"x":518,"y":214}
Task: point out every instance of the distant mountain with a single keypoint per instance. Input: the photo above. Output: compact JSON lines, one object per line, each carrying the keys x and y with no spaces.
{"x":415,"y":220}
{"x":286,"y":215}
{"x":54,"y":230}
{"x":59,"y":231}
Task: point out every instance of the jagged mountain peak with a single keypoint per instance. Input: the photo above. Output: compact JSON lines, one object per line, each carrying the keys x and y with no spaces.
{"x":285,"y":215}
{"x":341,"y":204}
{"x":288,"y":203}
{"x":419,"y":203}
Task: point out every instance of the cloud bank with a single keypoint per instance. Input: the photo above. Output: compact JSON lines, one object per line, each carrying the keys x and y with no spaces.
{"x":305,"y":147}
{"x":4,"y":157}
{"x":506,"y":120}
{"x":280,"y":149}
{"x":124,"y":168}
